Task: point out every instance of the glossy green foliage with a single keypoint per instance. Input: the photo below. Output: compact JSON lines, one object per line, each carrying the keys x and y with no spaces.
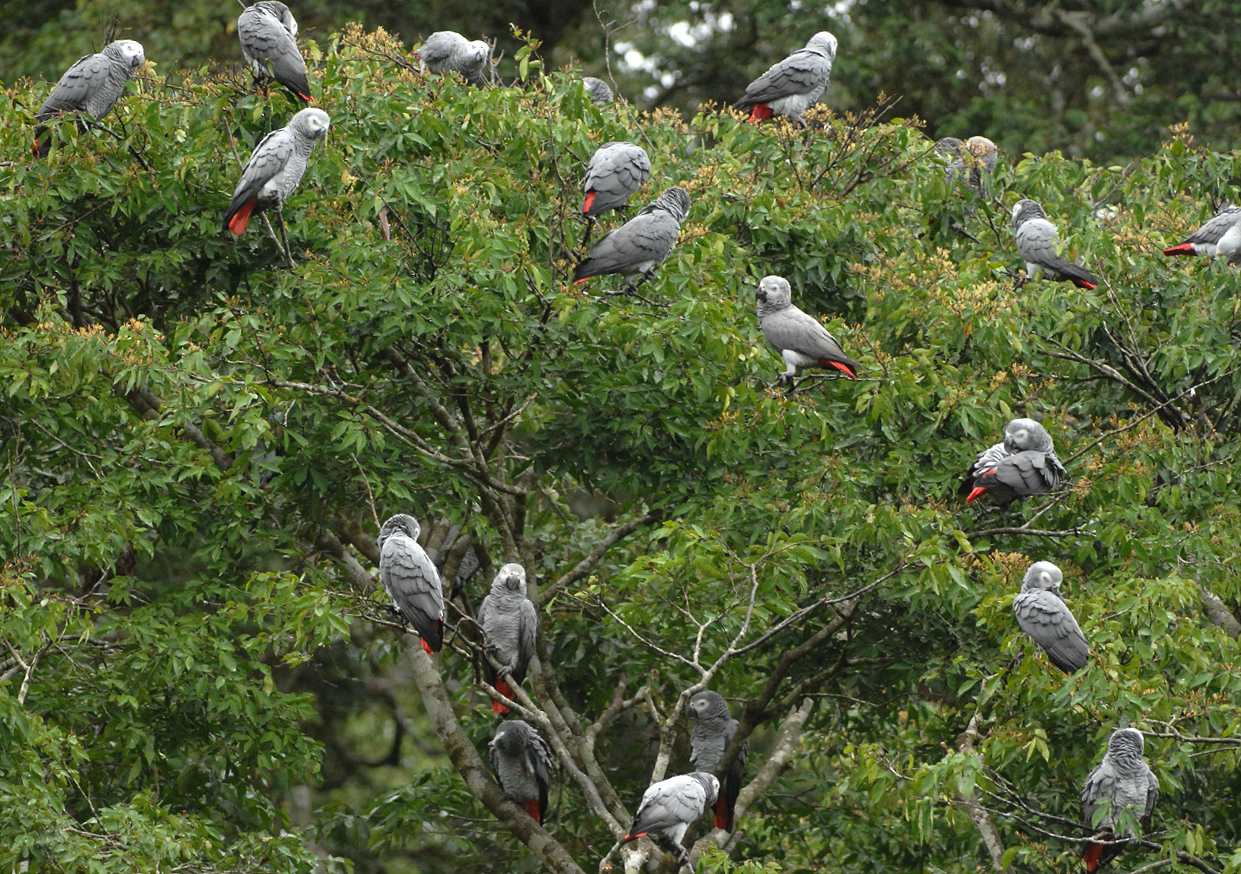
{"x":192,"y":429}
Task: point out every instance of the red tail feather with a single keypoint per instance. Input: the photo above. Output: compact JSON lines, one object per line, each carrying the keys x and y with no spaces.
{"x":588,"y":202}
{"x":761,"y":112}
{"x":306,"y":98}
{"x":532,"y":808}
{"x":1084,"y":283}
{"x":507,"y":691}
{"x":1182,"y":249}
{"x":237,"y":226}
{"x":35,"y":148}
{"x":976,"y":492}
{"x":426,"y":646}
{"x":843,"y":368}
{"x":721,"y":813}
{"x":632,"y":837}
{"x":1093,"y":856}
{"x":582,"y":281}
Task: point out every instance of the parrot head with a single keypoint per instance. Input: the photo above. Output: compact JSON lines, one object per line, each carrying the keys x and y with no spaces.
{"x":708,"y":705}
{"x":674,"y":201}
{"x":510,"y":737}
{"x":1126,"y":743}
{"x":401,"y":523}
{"x":128,"y":51}
{"x":311,"y":123}
{"x":710,"y":783}
{"x":1023,"y":434}
{"x":478,"y":51}
{"x":1042,"y":575}
{"x":1024,"y":210}
{"x":773,"y":294}
{"x":824,"y":43}
{"x":512,"y":577}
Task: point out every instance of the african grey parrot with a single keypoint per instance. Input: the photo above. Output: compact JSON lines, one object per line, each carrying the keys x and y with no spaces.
{"x":1038,"y":242}
{"x":970,"y":159}
{"x":268,"y":34}
{"x":711,"y":731}
{"x":411,"y":580}
{"x":671,"y":806}
{"x":616,"y":170}
{"x":92,"y":85}
{"x":799,"y":338}
{"x":1024,"y":464}
{"x":1220,"y":236}
{"x":510,"y":626}
{"x":275,"y":168}
{"x":447,"y":51}
{"x":522,"y":761}
{"x":640,"y":244}
{"x":1122,"y":784}
{"x":795,"y":84}
{"x":597,"y":90}
{"x":1042,"y":615}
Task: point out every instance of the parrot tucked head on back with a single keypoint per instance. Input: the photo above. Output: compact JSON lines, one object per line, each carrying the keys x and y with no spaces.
{"x":823,"y":43}
{"x":1126,"y":744}
{"x":311,"y":123}
{"x":1023,"y":434}
{"x":710,"y":783}
{"x":1024,"y":210}
{"x":708,"y":705}
{"x":128,"y":51}
{"x":402,"y":523}
{"x":1042,"y":575}
{"x":773,"y":295}
{"x":983,"y":150}
{"x":510,"y":579}
{"x":281,"y":13}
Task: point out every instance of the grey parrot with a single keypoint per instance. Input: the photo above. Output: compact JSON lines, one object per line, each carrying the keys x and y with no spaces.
{"x":799,"y":338}
{"x":275,"y":168}
{"x":973,"y":160}
{"x":671,"y":806}
{"x":1043,"y":616}
{"x":1024,"y":464}
{"x":795,"y":84}
{"x":640,"y":244}
{"x":268,"y":34}
{"x":616,"y":170}
{"x":411,"y":580}
{"x":597,"y":90}
{"x":711,"y":731}
{"x":1038,"y":242}
{"x":1220,"y":236}
{"x":522,"y":761}
{"x":447,"y":51}
{"x":91,"y":86}
{"x":1122,"y":784}
{"x":510,"y":627}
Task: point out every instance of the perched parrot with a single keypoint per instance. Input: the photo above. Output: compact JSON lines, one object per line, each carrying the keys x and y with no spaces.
{"x":268,"y":34}
{"x":670,"y":807}
{"x":1122,"y":784}
{"x":640,"y":244}
{"x":974,"y":160}
{"x":91,"y":86}
{"x":275,"y":168}
{"x":597,"y":90}
{"x":615,"y":172}
{"x":447,"y":51}
{"x":1024,"y":464}
{"x":1219,"y":237}
{"x":510,"y":627}
{"x":1038,"y":242}
{"x":1042,"y":615}
{"x":795,"y":84}
{"x":522,"y":761}
{"x":799,"y":338}
{"x":410,"y":578}
{"x":711,"y":731}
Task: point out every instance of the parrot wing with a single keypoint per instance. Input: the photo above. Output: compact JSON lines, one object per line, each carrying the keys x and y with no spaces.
{"x":268,"y":159}
{"x":790,"y":328}
{"x":645,"y":238}
{"x":1046,"y":619}
{"x":413,"y":583}
{"x":800,"y":73}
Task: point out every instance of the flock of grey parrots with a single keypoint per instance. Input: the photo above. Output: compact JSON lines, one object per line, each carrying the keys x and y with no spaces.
{"x":1024,"y":463}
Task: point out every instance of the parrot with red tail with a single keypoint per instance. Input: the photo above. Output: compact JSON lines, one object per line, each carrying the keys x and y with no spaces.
{"x":510,"y":628}
{"x":799,"y":338}
{"x":1038,"y":242}
{"x":793,"y":85}
{"x":1121,"y":784}
{"x":522,"y":761}
{"x":268,"y":35}
{"x":1220,"y":237}
{"x":409,"y":577}
{"x":670,"y":807}
{"x":1024,"y":464}
{"x":275,"y":168}
{"x":711,"y":732}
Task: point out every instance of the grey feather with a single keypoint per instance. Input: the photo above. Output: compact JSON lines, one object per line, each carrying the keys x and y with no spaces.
{"x":1043,"y":616}
{"x":1020,"y":436}
{"x":447,"y":51}
{"x":92,"y":85}
{"x":509,"y":621}
{"x":1122,"y":784}
{"x":278,"y":162}
{"x":1038,"y":242}
{"x":801,"y":339}
{"x":597,"y":90}
{"x":522,"y":761}
{"x":268,"y":35}
{"x":712,"y":730}
{"x":615,"y":172}
{"x":796,"y":83}
{"x":1220,"y":235}
{"x":411,"y":580}
{"x":642,"y":243}
{"x":670,"y":806}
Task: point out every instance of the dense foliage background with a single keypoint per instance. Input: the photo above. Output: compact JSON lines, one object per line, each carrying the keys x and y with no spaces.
{"x":198,"y":442}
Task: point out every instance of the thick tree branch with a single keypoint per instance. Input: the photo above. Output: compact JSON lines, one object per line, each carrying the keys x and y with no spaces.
{"x":978,"y":813}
